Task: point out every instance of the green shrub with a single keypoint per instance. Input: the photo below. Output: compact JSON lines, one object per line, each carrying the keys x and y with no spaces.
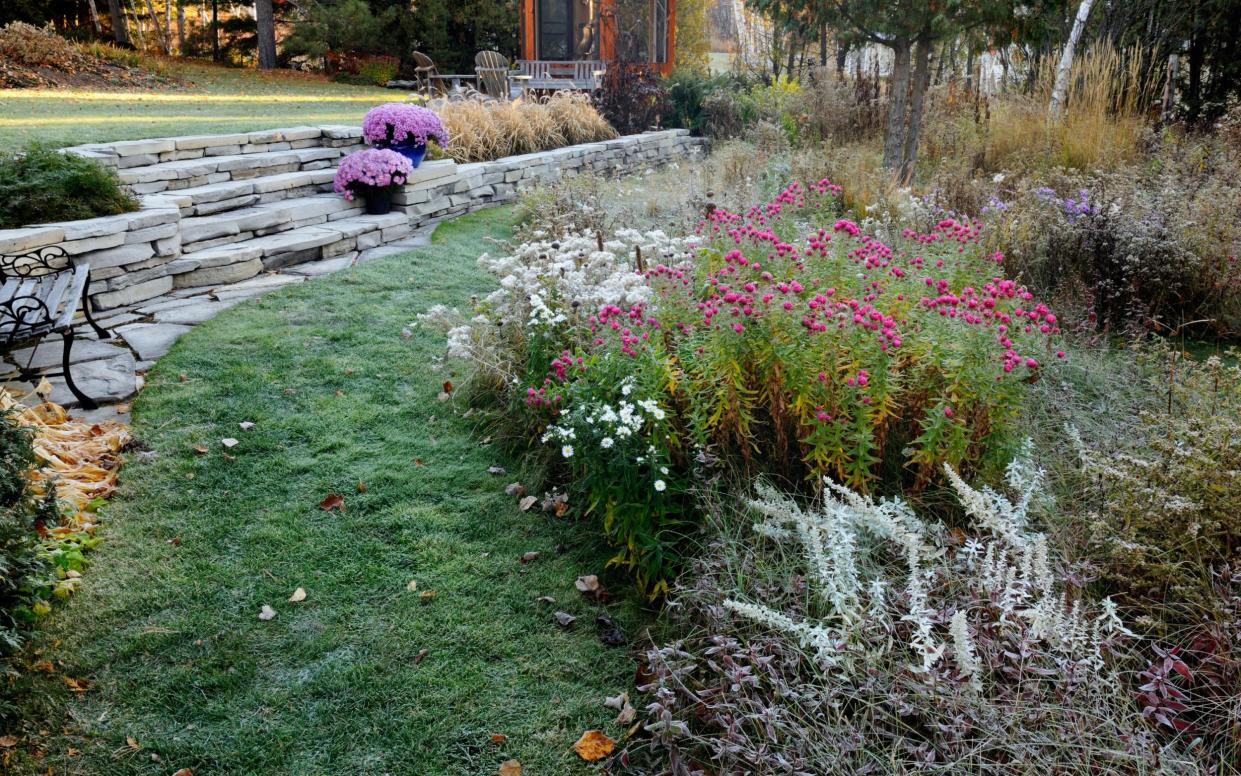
{"x":689,"y":90}
{"x":40,"y":184}
{"x":378,"y":71}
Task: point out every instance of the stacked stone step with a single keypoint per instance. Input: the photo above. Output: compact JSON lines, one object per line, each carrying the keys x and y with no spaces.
{"x":221,"y":209}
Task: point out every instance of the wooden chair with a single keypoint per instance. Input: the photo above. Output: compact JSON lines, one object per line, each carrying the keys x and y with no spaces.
{"x":426,"y":76}
{"x":493,"y":72}
{"x":40,"y":295}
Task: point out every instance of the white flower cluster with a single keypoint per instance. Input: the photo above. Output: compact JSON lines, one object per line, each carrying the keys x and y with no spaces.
{"x":543,"y":282}
{"x":549,"y":283}
{"x":610,"y":425}
{"x":1010,"y":567}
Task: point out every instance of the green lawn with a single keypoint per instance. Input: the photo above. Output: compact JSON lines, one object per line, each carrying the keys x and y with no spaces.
{"x":166,"y":626}
{"x":215,"y":99}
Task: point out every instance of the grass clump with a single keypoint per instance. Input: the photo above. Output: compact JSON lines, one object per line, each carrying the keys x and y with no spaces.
{"x":482,"y":131}
{"x":41,"y":185}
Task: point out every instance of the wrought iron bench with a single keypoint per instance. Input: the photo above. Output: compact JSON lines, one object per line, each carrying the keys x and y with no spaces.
{"x":40,"y":296}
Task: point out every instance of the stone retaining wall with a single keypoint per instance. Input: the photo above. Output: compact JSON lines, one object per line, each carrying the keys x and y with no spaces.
{"x":182,"y":181}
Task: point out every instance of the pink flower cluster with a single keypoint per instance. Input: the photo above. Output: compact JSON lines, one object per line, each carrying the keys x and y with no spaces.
{"x":370,"y":168}
{"x":400,"y":123}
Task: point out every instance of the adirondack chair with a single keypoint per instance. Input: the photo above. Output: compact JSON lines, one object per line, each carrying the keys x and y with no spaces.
{"x":425,"y":75}
{"x":493,"y":71}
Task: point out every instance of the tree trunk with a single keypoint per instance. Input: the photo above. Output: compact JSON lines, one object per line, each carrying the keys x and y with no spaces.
{"x":1169,"y":89}
{"x":267,"y":33}
{"x":969,"y":69}
{"x":1063,"y":70}
{"x":120,"y":33}
{"x":181,"y":27}
{"x":921,"y":81}
{"x":94,"y":17}
{"x":159,"y":28}
{"x":822,"y":45}
{"x":898,"y":99}
{"x":215,"y":31}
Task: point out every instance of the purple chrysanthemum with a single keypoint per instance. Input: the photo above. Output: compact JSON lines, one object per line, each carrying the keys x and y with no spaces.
{"x":372,"y":167}
{"x":399,"y":122}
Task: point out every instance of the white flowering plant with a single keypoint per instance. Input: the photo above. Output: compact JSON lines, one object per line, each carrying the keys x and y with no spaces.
{"x":615,"y":437}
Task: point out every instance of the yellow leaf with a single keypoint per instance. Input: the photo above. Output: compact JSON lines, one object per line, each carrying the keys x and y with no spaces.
{"x":593,"y":745}
{"x":298,"y":596}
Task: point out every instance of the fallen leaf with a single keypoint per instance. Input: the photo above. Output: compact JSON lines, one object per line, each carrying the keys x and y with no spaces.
{"x":133,"y":743}
{"x":514,"y":489}
{"x":183,"y":378}
{"x":529,"y":557}
{"x":587,"y":584}
{"x":418,"y":658}
{"x":201,"y":449}
{"x":77,"y":685}
{"x":545,"y":599}
{"x":564,"y":619}
{"x":361,"y":486}
{"x":626,"y":715}
{"x":298,"y":596}
{"x":229,"y":442}
{"x":593,"y":745}
{"x":417,"y":462}
{"x":443,"y":396}
{"x":267,"y":613}
{"x":43,"y":389}
{"x":175,"y":541}
{"x":121,"y":409}
{"x":340,"y":393}
{"x":332,"y":501}
{"x":526,"y":503}
{"x":246,"y":425}
{"x":448,"y":386}
{"x":496,"y":471}
{"x":617,"y":702}
{"x":498,"y":738}
{"x":427,"y":595}
{"x":412,"y":586}
{"x":70,"y":751}
{"x":609,"y":633}
{"x":8,"y":741}
{"x":510,"y":768}
{"x":44,"y":666}
{"x":184,"y":772}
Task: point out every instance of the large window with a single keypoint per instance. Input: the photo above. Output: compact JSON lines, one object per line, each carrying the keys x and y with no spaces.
{"x":642,"y":30}
{"x":568,"y":29}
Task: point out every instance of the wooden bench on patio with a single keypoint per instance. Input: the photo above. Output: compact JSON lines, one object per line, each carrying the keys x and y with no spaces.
{"x":40,"y":296}
{"x":579,"y":76}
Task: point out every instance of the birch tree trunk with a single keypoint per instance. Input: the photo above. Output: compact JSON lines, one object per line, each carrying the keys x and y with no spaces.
{"x":266,"y":21}
{"x":893,"y":143}
{"x":1056,"y":109}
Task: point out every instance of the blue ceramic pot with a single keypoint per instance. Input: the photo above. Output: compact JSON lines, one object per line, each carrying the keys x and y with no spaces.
{"x":414,"y":152}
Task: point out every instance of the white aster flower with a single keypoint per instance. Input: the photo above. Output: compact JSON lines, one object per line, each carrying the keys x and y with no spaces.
{"x":660,"y":486}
